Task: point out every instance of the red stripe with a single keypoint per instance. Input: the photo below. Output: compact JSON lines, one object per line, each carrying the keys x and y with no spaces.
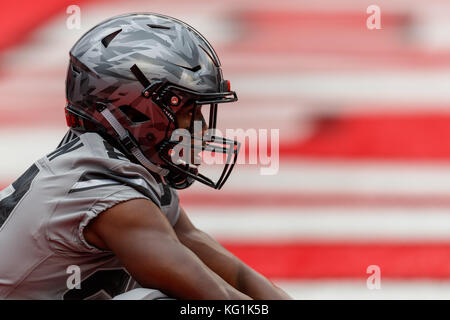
{"x":284,"y":63}
{"x":44,"y":116}
{"x":276,"y":199}
{"x":271,"y":18}
{"x":338,"y":260}
{"x":299,"y":32}
{"x":19,"y":18}
{"x":400,"y":137}
{"x":273,"y":32}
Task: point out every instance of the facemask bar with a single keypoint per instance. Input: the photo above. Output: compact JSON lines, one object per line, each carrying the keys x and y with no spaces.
{"x":231,"y":149}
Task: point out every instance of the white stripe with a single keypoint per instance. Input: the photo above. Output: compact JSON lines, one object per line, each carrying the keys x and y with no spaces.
{"x":93,"y":183}
{"x":139,"y":181}
{"x":9,"y":190}
{"x":357,"y":290}
{"x":67,"y":137}
{"x":18,"y":153}
{"x":323,"y":224}
{"x":99,"y":182}
{"x":344,"y":87}
{"x":247,"y":63}
{"x":328,"y":176}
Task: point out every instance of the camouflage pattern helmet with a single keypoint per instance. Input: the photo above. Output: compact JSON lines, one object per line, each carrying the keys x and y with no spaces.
{"x":130,"y":75}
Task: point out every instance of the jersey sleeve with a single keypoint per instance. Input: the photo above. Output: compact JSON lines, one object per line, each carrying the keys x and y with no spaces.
{"x":103,"y":204}
{"x":93,"y":194}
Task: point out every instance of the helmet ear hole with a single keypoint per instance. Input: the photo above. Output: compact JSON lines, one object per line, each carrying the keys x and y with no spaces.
{"x":133,"y":115}
{"x":106,"y":40}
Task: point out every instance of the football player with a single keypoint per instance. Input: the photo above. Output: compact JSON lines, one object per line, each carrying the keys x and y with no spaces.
{"x":104,"y":203}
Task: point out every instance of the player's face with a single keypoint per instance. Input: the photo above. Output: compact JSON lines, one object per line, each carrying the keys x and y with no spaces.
{"x":184,"y":117}
{"x":184,"y":121}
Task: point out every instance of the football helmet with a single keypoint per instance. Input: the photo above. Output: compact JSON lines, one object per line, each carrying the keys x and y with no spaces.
{"x":129,"y":77}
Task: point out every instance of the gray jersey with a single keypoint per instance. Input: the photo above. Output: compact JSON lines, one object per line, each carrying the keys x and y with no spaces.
{"x":43,"y":214}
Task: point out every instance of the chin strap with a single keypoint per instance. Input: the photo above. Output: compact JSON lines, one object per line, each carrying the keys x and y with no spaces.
{"x":128,"y":143}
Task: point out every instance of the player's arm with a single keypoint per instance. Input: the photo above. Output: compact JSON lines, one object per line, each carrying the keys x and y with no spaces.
{"x":224,"y":263}
{"x":144,"y":241}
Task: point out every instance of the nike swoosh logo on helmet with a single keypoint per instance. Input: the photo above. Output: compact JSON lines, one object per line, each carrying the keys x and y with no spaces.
{"x":193,"y":69}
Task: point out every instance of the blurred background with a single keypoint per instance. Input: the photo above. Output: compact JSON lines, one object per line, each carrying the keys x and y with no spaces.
{"x":364,"y":120}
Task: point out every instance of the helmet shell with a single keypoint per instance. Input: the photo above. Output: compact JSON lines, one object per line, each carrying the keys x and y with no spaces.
{"x":163,"y":48}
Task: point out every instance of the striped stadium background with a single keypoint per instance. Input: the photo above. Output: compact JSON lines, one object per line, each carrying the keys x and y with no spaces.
{"x":364,"y":119}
